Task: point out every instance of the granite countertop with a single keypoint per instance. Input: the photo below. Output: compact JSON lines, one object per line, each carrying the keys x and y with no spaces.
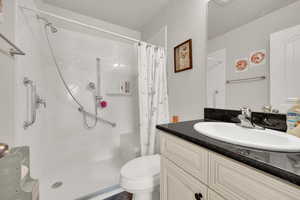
{"x":283,"y":165}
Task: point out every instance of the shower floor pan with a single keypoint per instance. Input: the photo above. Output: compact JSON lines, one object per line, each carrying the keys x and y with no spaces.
{"x":81,"y":180}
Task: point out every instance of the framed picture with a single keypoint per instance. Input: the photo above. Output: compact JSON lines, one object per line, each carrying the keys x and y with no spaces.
{"x":183,"y":56}
{"x":241,"y":65}
{"x":258,"y":57}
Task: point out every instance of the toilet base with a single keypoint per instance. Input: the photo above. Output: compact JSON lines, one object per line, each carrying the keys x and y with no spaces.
{"x":147,"y":195}
{"x":141,"y":176}
{"x":142,"y":196}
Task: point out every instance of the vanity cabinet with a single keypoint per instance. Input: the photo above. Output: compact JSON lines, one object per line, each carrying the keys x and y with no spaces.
{"x":236,"y":181}
{"x":214,"y":196}
{"x":179,"y":185}
{"x":189,"y":171}
{"x":191,"y":158}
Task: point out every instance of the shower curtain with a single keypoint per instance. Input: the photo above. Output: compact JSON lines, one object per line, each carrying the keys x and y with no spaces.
{"x":153,"y":96}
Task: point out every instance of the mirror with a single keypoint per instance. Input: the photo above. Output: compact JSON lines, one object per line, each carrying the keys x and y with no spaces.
{"x":252,"y":54}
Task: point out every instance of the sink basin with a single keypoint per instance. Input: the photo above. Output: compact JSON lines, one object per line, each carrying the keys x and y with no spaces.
{"x":259,"y":139}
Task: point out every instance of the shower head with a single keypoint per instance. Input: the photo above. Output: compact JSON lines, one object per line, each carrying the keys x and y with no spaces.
{"x":53,"y":29}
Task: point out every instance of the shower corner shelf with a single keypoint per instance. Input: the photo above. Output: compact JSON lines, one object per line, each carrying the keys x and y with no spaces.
{"x":117,"y":94}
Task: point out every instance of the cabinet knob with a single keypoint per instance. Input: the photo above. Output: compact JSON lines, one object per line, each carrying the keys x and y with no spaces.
{"x":198,"y":196}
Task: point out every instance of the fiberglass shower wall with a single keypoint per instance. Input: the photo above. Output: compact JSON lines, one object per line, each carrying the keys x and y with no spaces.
{"x":62,"y":149}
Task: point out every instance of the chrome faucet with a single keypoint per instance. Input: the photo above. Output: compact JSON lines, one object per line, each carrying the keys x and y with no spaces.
{"x":270,"y":109}
{"x":246,"y":121}
{"x":245,"y":118}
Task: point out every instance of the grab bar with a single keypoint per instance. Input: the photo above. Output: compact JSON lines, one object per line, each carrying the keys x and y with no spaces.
{"x":32,"y":89}
{"x":15,"y":50}
{"x":35,"y":102}
{"x":259,"y":78}
{"x":98,"y":118}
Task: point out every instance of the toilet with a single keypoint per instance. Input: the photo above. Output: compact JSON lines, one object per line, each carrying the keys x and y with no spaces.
{"x":141,"y":177}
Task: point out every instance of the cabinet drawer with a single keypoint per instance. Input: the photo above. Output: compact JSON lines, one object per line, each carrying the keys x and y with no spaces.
{"x":214,"y":196}
{"x":176,"y":184}
{"x":236,"y":181}
{"x":192,"y":158}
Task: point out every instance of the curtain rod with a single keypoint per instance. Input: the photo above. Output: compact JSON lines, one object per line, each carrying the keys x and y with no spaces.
{"x":81,"y":24}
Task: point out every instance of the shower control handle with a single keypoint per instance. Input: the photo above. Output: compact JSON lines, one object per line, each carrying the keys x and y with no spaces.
{"x":40,"y":101}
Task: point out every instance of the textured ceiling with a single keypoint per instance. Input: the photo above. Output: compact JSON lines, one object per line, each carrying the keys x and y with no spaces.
{"x":222,"y":19}
{"x":129,"y":13}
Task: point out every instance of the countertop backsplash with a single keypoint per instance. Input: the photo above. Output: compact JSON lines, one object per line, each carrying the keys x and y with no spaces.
{"x":266,"y":120}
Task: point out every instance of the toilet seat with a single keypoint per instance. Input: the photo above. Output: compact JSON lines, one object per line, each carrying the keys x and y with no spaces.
{"x":141,"y":173}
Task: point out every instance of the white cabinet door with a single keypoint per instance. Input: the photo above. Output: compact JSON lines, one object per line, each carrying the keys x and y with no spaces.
{"x":190,"y":157}
{"x":214,"y":196}
{"x":176,"y":184}
{"x":285,"y":67}
{"x":236,"y":181}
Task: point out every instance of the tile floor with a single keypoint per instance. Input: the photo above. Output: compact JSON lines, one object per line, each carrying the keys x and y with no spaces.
{"x":121,"y":196}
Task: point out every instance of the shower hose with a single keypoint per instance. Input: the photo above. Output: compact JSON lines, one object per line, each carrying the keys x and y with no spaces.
{"x":81,"y":107}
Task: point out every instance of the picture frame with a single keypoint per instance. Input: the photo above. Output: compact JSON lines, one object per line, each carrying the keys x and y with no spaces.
{"x":258,"y":57}
{"x":183,"y":56}
{"x":241,"y":65}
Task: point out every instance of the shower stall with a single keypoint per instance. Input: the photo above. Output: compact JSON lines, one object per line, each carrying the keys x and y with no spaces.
{"x":89,"y":128}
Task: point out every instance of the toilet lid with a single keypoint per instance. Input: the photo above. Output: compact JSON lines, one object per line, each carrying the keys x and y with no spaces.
{"x":142,"y":168}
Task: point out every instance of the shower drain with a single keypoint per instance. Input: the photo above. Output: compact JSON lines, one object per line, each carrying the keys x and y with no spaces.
{"x":56,"y":185}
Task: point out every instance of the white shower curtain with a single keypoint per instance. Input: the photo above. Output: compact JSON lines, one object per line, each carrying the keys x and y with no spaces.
{"x":153,"y":96}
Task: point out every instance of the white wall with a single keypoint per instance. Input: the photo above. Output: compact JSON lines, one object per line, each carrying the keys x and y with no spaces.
{"x":239,"y":43}
{"x":160,"y":38}
{"x":7,"y":75}
{"x":58,"y":138}
{"x":184,"y":20}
